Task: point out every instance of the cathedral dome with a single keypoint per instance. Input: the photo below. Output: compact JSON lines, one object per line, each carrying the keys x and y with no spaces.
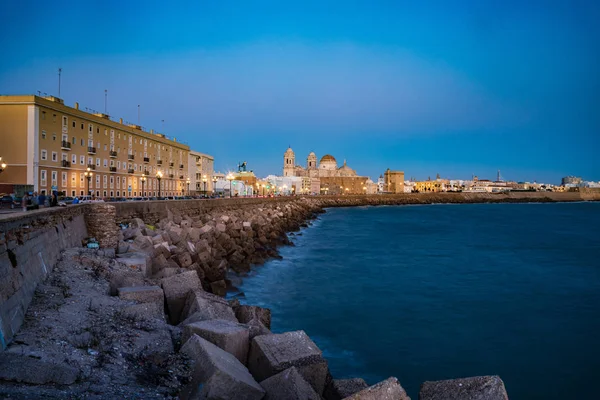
{"x":328,"y":157}
{"x":328,"y":162}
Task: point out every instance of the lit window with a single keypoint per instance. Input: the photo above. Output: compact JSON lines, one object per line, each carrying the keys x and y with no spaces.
{"x":44,"y":155}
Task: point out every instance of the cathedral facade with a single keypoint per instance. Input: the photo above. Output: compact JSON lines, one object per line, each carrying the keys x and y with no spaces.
{"x":326,"y":168}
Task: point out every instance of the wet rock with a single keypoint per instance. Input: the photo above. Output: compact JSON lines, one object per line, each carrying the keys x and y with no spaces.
{"x":474,"y":388}
{"x":245,"y":314}
{"x":219,"y":288}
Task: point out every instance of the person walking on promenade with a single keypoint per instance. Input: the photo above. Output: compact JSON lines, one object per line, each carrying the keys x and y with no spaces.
{"x":42,"y":200}
{"x":53,"y":200}
{"x":76,"y":200}
{"x":24,"y":201}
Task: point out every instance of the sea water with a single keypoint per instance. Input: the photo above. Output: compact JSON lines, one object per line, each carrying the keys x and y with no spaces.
{"x":447,"y":291}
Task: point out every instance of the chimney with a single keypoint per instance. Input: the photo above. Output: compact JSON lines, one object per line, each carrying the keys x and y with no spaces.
{"x":76,"y":106}
{"x":121,"y":120}
{"x":152,"y":131}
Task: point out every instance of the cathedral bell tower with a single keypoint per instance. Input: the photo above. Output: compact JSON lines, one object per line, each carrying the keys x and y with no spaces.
{"x":311,"y":161}
{"x":289,"y":162}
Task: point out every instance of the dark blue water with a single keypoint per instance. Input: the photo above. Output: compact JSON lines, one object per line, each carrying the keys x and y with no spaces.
{"x":446,"y":291}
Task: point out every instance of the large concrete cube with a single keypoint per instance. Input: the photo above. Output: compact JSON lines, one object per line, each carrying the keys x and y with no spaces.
{"x":474,"y":388}
{"x":202,"y":306}
{"x":176,"y":289}
{"x":339,"y":389}
{"x":143,"y":294}
{"x":227,"y":335}
{"x":221,"y":374}
{"x":289,"y":385}
{"x":272,"y":354}
{"x":245,"y":314}
{"x":389,"y":389}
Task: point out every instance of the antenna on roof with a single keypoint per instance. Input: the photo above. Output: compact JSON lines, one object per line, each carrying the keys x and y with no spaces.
{"x":59,"y":72}
{"x":105,"y":100}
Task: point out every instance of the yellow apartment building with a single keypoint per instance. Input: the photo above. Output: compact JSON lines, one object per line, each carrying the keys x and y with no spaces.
{"x":428,"y":186}
{"x":50,"y":146}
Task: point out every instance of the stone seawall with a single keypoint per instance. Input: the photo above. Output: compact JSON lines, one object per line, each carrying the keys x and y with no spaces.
{"x":30,"y":245}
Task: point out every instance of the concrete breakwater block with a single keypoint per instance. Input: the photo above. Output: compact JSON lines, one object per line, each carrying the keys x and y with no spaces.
{"x":272,"y":354}
{"x":218,"y":374}
{"x":389,"y":389}
{"x":473,"y":388}
{"x":289,"y":385}
{"x":202,"y":306}
{"x":176,"y":289}
{"x":227,"y":335}
{"x":143,"y":294}
{"x":339,"y":389}
{"x":245,"y":314}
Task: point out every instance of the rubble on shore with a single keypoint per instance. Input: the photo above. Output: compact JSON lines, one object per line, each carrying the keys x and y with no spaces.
{"x":149,"y":320}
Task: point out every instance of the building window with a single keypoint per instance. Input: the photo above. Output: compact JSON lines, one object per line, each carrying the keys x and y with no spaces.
{"x":63,"y":156}
{"x":54,"y":136}
{"x":54,"y":178}
{"x":104,"y":147}
{"x":82,"y":160}
{"x":44,"y":155}
{"x":73,"y":179}
{"x":82,"y":142}
{"x":73,"y":124}
{"x":90,"y":128}
{"x":53,"y":117}
{"x":74,"y":159}
{"x":43,"y":177}
{"x":43,"y":134}
{"x":43,"y":115}
{"x":81,"y":126}
{"x":118,"y":164}
{"x":98,"y":131}
{"x":105,"y":163}
{"x":54,"y":156}
{"x":97,"y":162}
{"x":97,"y":181}
{"x":104,"y":181}
{"x":90,"y":160}
{"x":81,"y":179}
{"x":64,"y":180}
{"x":74,"y":140}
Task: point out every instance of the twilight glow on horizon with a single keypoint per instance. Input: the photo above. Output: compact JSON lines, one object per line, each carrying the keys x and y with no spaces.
{"x":455,"y":88}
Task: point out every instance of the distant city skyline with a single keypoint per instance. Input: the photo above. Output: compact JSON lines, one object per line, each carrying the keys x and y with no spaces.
{"x":455,"y":89}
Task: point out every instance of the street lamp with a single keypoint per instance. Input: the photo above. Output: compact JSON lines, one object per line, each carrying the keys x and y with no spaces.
{"x":88,"y":175}
{"x":214,"y":179}
{"x":143,"y":179}
{"x":159,"y":175}
{"x":188,"y":185}
{"x":230,"y":179}
{"x":204,"y":179}
{"x":263,"y":189}
{"x":2,"y":165}
{"x":284,"y":189}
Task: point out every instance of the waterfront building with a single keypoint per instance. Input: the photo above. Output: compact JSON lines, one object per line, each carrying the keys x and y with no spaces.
{"x":332,"y":180}
{"x":394,"y":181}
{"x":409,"y":186}
{"x":50,"y":146}
{"x":428,"y":186}
{"x":571,"y":180}
{"x":201,"y":169}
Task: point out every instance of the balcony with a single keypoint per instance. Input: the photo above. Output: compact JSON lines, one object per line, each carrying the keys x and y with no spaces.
{"x":180,"y":176}
{"x":130,"y":157}
{"x":159,"y":162}
{"x":65,"y":145}
{"x":171,"y":176}
{"x":91,"y":150}
{"x":113,"y":154}
{"x":146,"y":159}
{"x":113,"y":169}
{"x":180,"y":166}
{"x":91,"y":166}
{"x":171,"y":164}
{"x":130,"y":171}
{"x":66,"y":164}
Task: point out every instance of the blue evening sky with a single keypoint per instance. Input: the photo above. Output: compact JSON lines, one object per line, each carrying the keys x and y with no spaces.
{"x":449,"y":87}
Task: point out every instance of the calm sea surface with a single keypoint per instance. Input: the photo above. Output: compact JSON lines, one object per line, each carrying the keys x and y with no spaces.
{"x":447,"y":291}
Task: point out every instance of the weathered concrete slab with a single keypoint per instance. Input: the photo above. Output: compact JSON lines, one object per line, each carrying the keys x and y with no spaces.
{"x":176,"y":289}
{"x":201,"y":306}
{"x":221,"y":374}
{"x":227,"y":335}
{"x":144,"y":311}
{"x":289,"y":385}
{"x":245,"y":314}
{"x":21,"y":368}
{"x":272,"y":354}
{"x":136,"y":261}
{"x":474,"y":388}
{"x":389,"y":389}
{"x":143,"y":294}
{"x":339,"y":389}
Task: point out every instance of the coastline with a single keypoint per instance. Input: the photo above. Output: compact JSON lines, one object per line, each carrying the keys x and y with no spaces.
{"x":182,"y":252}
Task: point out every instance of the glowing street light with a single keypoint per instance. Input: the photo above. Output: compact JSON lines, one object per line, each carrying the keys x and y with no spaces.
{"x":188,"y":185}
{"x":204,"y":179}
{"x":159,"y":176}
{"x":88,"y":175}
{"x":2,"y":165}
{"x":143,"y":179}
{"x":214,"y":179}
{"x":230,"y":178}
